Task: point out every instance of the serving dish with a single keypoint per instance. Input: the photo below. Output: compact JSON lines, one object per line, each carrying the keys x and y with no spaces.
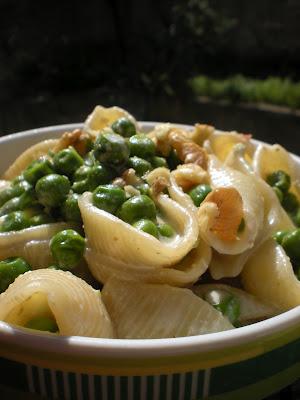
{"x":250,"y":362}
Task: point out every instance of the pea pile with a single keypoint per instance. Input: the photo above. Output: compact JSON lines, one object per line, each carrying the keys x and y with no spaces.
{"x":280,"y":181}
{"x":290,"y":241}
{"x":49,"y":188}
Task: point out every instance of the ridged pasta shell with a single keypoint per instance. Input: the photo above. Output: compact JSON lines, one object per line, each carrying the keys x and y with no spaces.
{"x":269,"y":276}
{"x":141,"y":311}
{"x":111,"y":237}
{"x":251,"y":308}
{"x":31,"y":243}
{"x":102,"y":117}
{"x":222,"y":176}
{"x":275,"y":219}
{"x":268,"y":159}
{"x":29,"y":155}
{"x":76,"y":306}
{"x":221,"y":143}
{"x":185,"y":273}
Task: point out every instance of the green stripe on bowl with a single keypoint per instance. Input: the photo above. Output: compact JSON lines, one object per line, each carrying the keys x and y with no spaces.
{"x":264,"y":387}
{"x":234,"y":376}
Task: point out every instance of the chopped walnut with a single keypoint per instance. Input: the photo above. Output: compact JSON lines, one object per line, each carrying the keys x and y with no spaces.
{"x":78,"y":139}
{"x":230,"y":206}
{"x":187,"y":151}
{"x":189,"y":175}
{"x":119,"y":182}
{"x":130,"y":177}
{"x":159,"y":185}
{"x":201,"y":133}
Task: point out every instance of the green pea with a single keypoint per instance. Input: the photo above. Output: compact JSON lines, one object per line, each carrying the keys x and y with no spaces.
{"x":37,"y":169}
{"x":19,"y":203}
{"x":143,"y":188}
{"x":278,"y":193}
{"x":278,"y":236}
{"x":124,"y":127}
{"x":10,"y":269}
{"x":226,"y":303}
{"x":40,"y":219}
{"x":109,"y":198}
{"x":42,"y":324}
{"x":291,"y":244}
{"x":141,"y":145}
{"x":290,"y":202}
{"x":67,"y":161}
{"x":52,"y":189}
{"x":14,"y":191}
{"x":279,"y":179}
{"x":70,"y":208}
{"x":158,"y":162}
{"x":147,"y":226}
{"x":199,"y":193}
{"x":140,"y":165}
{"x":137,"y":207}
{"x":173,"y":160}
{"x":15,"y":221}
{"x":89,"y":159}
{"x":67,"y":248}
{"x":87,"y":178}
{"x":296,"y":217}
{"x":166,"y":230}
{"x":111,"y":148}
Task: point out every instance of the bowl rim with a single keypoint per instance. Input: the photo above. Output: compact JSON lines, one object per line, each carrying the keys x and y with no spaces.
{"x":140,"y":348}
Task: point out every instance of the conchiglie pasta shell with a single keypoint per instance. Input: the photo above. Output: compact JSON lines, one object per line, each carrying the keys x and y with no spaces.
{"x":32,"y":243}
{"x":76,"y":306}
{"x":268,"y":159}
{"x":102,"y":117}
{"x":275,"y":219}
{"x":221,"y":143}
{"x":185,"y":273}
{"x":269,"y":276}
{"x":141,"y":311}
{"x":251,"y":308}
{"x":222,"y":176}
{"x":111,"y":237}
{"x":29,"y":155}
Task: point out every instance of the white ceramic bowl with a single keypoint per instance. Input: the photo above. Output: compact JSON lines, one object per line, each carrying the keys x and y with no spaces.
{"x":250,"y":362}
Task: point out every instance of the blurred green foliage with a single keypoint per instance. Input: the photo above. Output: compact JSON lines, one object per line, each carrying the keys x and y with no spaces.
{"x":238,"y":88}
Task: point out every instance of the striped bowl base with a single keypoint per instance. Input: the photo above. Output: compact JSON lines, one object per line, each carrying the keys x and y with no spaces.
{"x":251,"y":379}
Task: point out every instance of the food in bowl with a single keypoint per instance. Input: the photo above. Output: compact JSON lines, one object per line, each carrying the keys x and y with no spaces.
{"x":112,"y":232}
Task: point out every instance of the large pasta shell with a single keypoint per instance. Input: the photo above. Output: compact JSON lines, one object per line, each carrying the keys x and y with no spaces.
{"x":102,"y":117}
{"x":29,"y":155}
{"x":185,"y":273}
{"x":268,"y":159}
{"x":221,"y":143}
{"x":141,"y":311}
{"x":32,"y":243}
{"x":76,"y":306}
{"x":111,"y":237}
{"x":275,"y":219}
{"x":251,"y":308}
{"x":222,"y":176}
{"x":269,"y":275}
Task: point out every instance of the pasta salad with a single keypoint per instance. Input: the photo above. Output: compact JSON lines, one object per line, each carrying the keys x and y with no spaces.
{"x":112,"y":231}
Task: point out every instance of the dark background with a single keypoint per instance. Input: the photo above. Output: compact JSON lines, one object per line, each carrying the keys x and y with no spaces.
{"x":58,"y":59}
